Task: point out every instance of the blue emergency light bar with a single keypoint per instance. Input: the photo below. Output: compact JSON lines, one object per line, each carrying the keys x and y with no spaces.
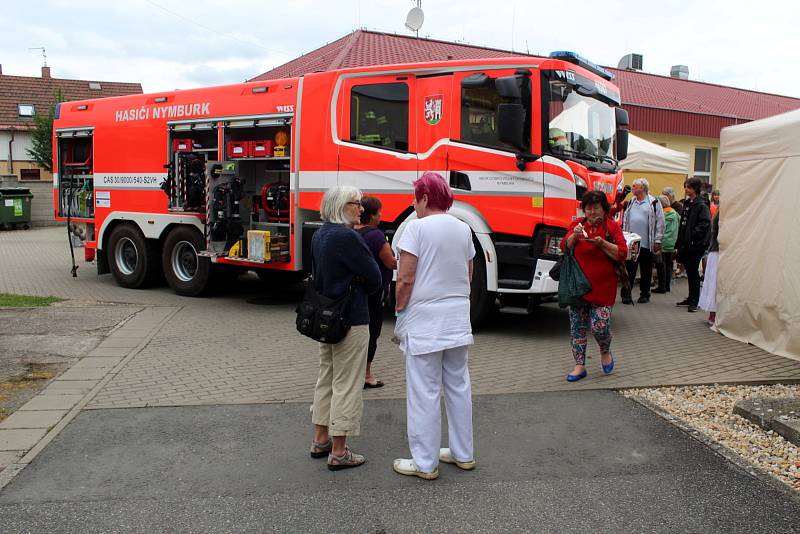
{"x":574,"y":58}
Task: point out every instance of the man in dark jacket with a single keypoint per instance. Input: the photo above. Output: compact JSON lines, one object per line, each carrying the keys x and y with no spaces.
{"x":694,"y":234}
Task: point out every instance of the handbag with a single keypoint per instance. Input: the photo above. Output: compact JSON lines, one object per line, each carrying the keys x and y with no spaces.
{"x":573,"y":284}
{"x":555,"y":270}
{"x":322,"y":318}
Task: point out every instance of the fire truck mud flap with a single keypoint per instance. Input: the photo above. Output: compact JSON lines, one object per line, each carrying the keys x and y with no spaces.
{"x":187,"y":273}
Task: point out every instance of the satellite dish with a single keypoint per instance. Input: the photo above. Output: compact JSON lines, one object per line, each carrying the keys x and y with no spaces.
{"x":414,"y":19}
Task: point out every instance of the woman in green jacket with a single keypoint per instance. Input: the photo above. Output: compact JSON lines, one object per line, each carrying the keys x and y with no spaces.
{"x":671,"y":223}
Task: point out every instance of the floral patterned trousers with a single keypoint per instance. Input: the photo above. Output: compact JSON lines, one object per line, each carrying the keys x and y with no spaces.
{"x":582,"y":316}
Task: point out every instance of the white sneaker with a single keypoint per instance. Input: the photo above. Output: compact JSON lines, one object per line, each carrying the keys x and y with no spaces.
{"x":447,"y":457}
{"x":407,"y":466}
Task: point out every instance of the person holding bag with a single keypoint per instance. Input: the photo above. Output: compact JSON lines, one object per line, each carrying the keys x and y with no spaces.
{"x":342,"y":268}
{"x":598,"y":245}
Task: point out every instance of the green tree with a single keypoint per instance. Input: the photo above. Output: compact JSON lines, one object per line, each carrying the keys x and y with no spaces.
{"x":42,"y":135}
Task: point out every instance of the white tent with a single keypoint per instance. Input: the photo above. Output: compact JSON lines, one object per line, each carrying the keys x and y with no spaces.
{"x":758,"y":287}
{"x":644,"y":156}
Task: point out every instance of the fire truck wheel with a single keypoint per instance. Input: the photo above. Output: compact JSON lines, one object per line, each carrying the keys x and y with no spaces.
{"x":186,"y":272}
{"x":481,"y":301}
{"x":134,"y":259}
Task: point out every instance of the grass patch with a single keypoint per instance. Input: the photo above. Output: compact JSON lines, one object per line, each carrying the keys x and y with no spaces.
{"x":5,"y":412}
{"x":8,"y":300}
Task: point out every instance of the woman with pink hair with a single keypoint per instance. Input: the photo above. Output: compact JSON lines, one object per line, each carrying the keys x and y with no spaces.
{"x":433,"y":326}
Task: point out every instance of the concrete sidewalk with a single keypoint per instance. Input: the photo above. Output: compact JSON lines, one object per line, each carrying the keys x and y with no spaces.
{"x":549,"y":462}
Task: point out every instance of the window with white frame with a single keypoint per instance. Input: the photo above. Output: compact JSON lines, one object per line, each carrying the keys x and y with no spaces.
{"x":26,"y":110}
{"x":702,"y":163}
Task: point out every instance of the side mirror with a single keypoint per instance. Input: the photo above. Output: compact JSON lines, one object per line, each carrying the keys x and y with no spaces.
{"x":511,"y":125}
{"x":508,"y":87}
{"x":621,"y":146}
{"x":621,"y":116}
{"x":472,"y":81}
{"x":586,"y":91}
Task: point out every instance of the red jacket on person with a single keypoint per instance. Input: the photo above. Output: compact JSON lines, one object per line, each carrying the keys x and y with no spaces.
{"x":596,"y":264}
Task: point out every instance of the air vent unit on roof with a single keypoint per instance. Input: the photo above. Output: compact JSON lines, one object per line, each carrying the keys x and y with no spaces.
{"x":631,"y":62}
{"x":94,"y":86}
{"x":679,"y":71}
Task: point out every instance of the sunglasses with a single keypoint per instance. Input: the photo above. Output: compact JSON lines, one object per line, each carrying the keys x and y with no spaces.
{"x":355,"y":202}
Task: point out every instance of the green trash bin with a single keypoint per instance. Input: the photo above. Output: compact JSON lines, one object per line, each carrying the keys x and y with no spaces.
{"x":15,"y":207}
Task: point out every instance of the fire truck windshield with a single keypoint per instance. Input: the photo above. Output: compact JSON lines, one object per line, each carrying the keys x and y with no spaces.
{"x":581,"y":126}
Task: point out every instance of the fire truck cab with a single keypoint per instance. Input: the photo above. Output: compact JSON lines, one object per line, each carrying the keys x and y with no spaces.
{"x":194,"y":184}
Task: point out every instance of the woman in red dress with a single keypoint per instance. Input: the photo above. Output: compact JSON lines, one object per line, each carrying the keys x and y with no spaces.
{"x":597,"y":243}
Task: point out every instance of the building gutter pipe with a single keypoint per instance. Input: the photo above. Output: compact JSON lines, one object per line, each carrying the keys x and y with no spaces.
{"x":10,"y":153}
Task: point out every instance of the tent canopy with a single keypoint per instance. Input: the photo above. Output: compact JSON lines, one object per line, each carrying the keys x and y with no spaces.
{"x":644,"y":156}
{"x":773,"y":137}
{"x":758,"y":284}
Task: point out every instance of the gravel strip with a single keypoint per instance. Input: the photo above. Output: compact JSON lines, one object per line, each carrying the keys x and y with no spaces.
{"x":709,"y":410}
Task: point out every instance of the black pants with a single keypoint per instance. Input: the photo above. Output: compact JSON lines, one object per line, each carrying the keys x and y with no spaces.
{"x":691,"y":261}
{"x":645,"y":265}
{"x":375,"y":304}
{"x":664,"y":270}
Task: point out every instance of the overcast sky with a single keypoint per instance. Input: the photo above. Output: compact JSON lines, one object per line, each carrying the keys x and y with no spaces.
{"x":170,"y":44}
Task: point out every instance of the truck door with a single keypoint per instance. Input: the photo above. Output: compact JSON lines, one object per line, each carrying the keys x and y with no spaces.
{"x":433,"y":114}
{"x":376,"y":139}
{"x":485,"y":169}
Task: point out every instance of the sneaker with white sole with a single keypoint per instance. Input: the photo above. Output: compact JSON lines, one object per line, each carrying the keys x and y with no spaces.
{"x":447,"y":457}
{"x":407,"y":466}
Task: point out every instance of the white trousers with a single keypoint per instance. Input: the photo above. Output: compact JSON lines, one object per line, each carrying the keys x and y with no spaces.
{"x":425,"y":376}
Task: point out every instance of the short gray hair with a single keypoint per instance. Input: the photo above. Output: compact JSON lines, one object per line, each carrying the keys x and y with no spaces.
{"x":665,"y":203}
{"x":669,"y":192}
{"x":334,"y":202}
{"x":644,"y":183}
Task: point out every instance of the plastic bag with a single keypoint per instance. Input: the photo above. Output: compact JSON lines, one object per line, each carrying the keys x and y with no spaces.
{"x":572,"y":284}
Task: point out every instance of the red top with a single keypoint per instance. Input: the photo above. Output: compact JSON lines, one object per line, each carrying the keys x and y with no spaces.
{"x":596,"y":264}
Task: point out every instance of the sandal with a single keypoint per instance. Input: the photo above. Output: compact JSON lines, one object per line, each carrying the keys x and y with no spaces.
{"x":321,"y":450}
{"x":346,"y":461}
{"x":372,"y":385}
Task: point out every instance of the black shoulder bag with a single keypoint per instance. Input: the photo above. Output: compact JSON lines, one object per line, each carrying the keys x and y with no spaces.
{"x":322,"y":318}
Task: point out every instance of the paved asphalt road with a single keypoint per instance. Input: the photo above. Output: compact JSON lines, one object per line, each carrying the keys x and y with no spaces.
{"x":548,"y":462}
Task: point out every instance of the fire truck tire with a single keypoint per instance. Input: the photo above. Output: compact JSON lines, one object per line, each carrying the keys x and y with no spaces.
{"x":133,"y":259}
{"x":481,"y":301}
{"x":187,"y":273}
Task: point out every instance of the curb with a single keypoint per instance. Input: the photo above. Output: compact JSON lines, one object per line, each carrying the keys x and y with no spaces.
{"x":721,"y":450}
{"x":151,"y":319}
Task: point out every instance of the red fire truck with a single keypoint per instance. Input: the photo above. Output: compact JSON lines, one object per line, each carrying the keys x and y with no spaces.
{"x":190,"y":184}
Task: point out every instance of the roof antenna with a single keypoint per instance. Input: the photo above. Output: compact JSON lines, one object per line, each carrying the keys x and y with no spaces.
{"x":44,"y":53}
{"x":415,"y":18}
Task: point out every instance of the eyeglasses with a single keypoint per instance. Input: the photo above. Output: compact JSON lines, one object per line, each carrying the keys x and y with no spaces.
{"x":355,"y":203}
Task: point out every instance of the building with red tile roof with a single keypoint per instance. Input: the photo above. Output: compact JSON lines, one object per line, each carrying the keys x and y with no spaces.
{"x":681,"y":114}
{"x":21,"y":97}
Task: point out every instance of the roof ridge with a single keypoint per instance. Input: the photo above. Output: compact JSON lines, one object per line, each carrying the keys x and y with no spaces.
{"x":451,"y":43}
{"x":51,"y":80}
{"x":337,"y":61}
{"x":701,"y":82}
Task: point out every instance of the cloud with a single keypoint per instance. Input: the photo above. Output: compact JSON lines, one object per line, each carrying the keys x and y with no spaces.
{"x":167,"y":44}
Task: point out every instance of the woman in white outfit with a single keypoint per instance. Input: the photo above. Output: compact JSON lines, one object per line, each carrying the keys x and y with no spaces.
{"x":433,"y":285}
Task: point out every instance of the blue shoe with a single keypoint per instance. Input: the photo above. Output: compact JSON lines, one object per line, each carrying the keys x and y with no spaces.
{"x":575,"y":378}
{"x":608,"y":368}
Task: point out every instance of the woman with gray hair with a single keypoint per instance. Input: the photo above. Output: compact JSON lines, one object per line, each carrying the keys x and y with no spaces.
{"x":341,"y":262}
